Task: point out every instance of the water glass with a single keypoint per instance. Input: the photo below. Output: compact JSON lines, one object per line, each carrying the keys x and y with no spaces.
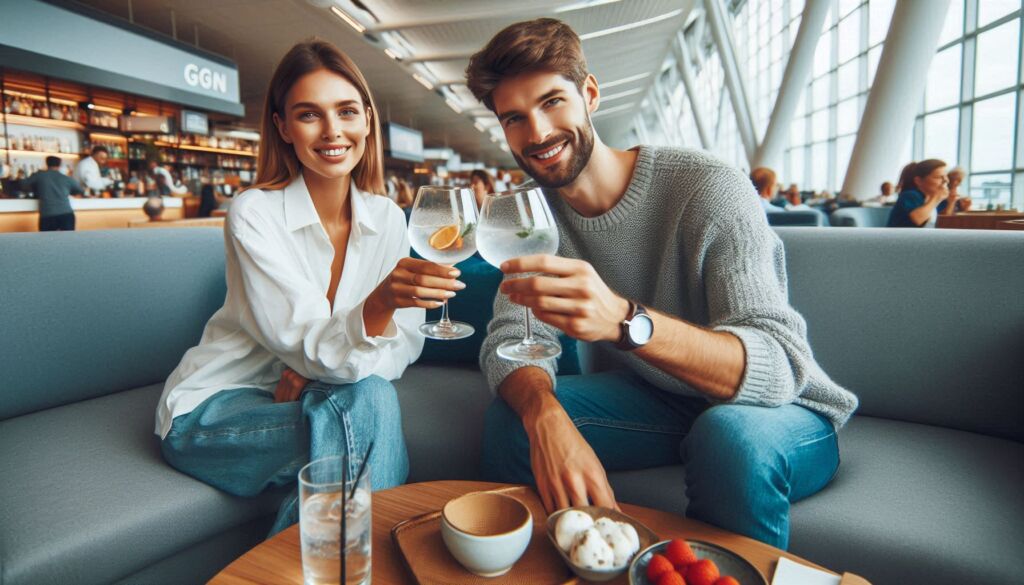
{"x":324,"y":485}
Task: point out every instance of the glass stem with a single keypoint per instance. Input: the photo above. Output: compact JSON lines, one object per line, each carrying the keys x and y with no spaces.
{"x":445,"y":322}
{"x":528,"y":340}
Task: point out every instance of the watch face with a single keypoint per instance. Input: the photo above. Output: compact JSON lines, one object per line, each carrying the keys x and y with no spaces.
{"x":641,"y":328}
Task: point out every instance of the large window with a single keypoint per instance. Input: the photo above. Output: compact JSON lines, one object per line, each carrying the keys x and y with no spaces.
{"x":970,"y":108}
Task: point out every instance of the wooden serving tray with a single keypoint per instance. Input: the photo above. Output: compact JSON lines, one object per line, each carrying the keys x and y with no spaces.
{"x":428,"y":560}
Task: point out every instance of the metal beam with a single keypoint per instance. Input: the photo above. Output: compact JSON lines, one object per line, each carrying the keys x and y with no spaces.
{"x":890,"y":112}
{"x":717,"y":19}
{"x":672,"y":131}
{"x":641,"y":128}
{"x":794,"y":82}
{"x":508,"y":11}
{"x":684,"y":64}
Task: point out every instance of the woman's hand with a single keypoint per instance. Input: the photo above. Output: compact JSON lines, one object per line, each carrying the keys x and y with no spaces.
{"x":417,"y":283}
{"x":413,"y":283}
{"x":290,"y":386}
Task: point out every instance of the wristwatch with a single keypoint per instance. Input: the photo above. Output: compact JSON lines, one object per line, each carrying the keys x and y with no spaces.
{"x":637,"y":329}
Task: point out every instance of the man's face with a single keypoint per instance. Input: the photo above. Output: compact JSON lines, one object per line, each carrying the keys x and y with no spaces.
{"x":547,"y":125}
{"x":101,"y":158}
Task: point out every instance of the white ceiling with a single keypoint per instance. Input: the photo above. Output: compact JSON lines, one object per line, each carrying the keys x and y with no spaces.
{"x":256,"y":33}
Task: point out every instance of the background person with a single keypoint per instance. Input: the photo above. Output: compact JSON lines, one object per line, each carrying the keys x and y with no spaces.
{"x":89,"y":170}
{"x":52,"y":188}
{"x":763,"y":179}
{"x":924,"y":194}
{"x":483,"y":184}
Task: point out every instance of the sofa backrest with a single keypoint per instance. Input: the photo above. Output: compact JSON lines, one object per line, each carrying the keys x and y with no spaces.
{"x":84,"y":314}
{"x":923,"y":325}
{"x":800,"y":217}
{"x":861,"y":216}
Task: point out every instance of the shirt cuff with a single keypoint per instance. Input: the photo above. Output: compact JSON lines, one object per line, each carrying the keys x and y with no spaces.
{"x":356,"y":328}
{"x":755,"y":388}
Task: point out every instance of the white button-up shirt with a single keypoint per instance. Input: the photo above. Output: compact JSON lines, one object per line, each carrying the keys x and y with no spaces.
{"x":276,"y":312}
{"x":88,"y":174}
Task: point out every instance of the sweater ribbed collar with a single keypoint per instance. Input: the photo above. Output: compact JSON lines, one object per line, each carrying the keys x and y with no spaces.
{"x":636,"y":192}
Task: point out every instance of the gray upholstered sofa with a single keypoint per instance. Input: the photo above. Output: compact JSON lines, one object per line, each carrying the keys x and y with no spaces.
{"x":861,"y":216}
{"x":926,"y":326}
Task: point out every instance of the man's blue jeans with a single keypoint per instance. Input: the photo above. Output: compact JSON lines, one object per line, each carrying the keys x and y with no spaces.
{"x":242,"y":442}
{"x":745,"y":465}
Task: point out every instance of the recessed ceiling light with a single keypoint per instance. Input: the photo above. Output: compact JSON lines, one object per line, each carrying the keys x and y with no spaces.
{"x":351,"y":21}
{"x":624,"y":80}
{"x":621,"y":94}
{"x":453,"y":105}
{"x":423,"y":81}
{"x":611,"y":110}
{"x":392,"y":54}
{"x":583,"y":5}
{"x":630,"y":26}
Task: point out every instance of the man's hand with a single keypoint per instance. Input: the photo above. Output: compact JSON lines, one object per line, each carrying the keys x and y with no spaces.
{"x":568,"y":295}
{"x":290,"y":386}
{"x":566,"y":470}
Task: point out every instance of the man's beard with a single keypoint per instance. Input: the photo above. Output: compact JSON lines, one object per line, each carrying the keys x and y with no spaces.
{"x":580,"y":155}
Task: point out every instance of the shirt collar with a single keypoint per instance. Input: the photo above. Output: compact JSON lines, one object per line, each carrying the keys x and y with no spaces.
{"x":299,"y":211}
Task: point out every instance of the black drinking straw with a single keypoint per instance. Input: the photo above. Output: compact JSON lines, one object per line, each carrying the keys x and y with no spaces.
{"x":362,"y":468}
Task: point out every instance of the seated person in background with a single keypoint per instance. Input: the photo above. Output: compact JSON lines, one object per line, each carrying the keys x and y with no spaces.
{"x":924,"y":194}
{"x":482,"y":184}
{"x":763,"y":179}
{"x":794,"y":202}
{"x":154,"y":208}
{"x":956,"y":177}
{"x":888,"y":196}
{"x":210,"y":198}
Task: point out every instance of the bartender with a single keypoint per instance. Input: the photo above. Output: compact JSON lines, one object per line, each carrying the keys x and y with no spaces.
{"x":164,"y":181}
{"x":88,"y":170}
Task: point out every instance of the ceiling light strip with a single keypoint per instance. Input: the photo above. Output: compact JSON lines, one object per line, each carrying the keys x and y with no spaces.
{"x":348,"y":19}
{"x":630,"y":26}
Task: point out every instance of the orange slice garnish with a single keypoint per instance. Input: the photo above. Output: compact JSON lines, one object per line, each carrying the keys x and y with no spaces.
{"x":444,"y":238}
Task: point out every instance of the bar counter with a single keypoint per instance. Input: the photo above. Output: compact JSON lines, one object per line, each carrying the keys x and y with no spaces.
{"x":22,"y":215}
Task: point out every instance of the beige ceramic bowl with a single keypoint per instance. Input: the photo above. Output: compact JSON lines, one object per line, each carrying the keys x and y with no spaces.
{"x":486,"y":532}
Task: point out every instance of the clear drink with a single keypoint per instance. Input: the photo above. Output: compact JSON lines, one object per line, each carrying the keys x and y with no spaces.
{"x":498,"y":245}
{"x":320,"y":528}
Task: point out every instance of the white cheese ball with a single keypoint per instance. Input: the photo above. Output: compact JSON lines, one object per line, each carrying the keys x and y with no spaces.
{"x":622,"y":548}
{"x":630,"y":533}
{"x":590,"y":551}
{"x":607,"y":527}
{"x":569,"y":525}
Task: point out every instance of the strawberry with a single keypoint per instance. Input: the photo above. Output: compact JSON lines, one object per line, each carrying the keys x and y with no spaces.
{"x":658,"y":566}
{"x":727,"y":581}
{"x":703,"y":572}
{"x":671,"y":578}
{"x":680,"y":554}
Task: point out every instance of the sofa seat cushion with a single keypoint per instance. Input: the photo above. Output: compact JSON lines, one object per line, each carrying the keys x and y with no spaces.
{"x":910,"y":504}
{"x":87,"y":497}
{"x":443,"y":411}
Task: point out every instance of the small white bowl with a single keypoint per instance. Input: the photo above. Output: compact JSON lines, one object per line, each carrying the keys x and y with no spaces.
{"x":647,"y":538}
{"x":486,"y":532}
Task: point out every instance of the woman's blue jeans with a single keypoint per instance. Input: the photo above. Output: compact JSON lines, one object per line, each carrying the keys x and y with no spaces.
{"x":745,"y":465}
{"x":242,"y":442}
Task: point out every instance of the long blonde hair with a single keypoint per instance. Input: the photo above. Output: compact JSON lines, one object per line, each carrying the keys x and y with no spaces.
{"x":277,"y":165}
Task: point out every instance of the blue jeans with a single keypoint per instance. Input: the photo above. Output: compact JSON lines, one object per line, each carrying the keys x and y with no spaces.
{"x":242,"y":442}
{"x":745,"y":465}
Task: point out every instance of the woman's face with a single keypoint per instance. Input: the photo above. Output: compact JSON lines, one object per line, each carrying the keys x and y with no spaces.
{"x":326,"y":122}
{"x":936,"y":183}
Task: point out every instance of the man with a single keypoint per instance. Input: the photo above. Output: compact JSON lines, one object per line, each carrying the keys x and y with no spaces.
{"x":763,"y":179}
{"x":794,"y":202}
{"x":88,"y":170}
{"x":956,"y":203}
{"x":52,"y":188}
{"x":666,"y":253}
{"x":164,"y":181}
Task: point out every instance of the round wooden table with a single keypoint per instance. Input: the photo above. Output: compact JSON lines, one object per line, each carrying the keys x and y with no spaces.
{"x":278,"y":561}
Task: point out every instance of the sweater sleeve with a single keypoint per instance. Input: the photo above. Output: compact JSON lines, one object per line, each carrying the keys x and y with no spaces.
{"x":745,"y":279}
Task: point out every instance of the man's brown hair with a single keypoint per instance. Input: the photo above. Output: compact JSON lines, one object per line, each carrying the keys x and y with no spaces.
{"x":544,"y":44}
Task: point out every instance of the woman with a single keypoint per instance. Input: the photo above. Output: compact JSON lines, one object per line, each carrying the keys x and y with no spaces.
{"x":482,"y":184}
{"x":322,"y":304}
{"x":924,"y":193}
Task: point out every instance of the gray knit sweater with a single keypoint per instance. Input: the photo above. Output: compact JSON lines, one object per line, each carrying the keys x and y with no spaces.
{"x":689,"y":238}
